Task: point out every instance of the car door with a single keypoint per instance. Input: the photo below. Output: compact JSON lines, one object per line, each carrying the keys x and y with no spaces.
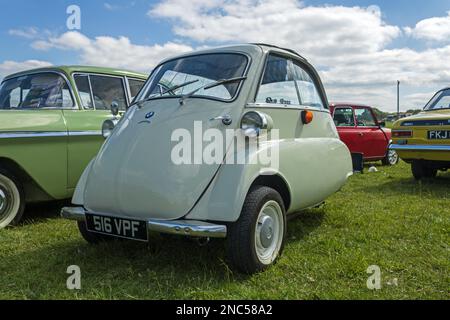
{"x":344,"y":120}
{"x":32,"y":129}
{"x":96,"y":93}
{"x":372,"y":140}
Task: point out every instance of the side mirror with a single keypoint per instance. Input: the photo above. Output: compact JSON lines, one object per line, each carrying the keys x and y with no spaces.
{"x":382,"y":124}
{"x":115,"y":108}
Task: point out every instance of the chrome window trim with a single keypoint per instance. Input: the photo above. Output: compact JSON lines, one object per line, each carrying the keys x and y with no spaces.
{"x":78,"y":90}
{"x":129,"y":88}
{"x":60,"y":73}
{"x":89,"y":74}
{"x":128,"y":91}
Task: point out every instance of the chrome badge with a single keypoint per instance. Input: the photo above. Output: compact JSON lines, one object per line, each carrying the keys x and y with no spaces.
{"x":148,"y":116}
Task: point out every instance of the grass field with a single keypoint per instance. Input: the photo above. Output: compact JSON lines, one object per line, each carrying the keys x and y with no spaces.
{"x":384,"y":218}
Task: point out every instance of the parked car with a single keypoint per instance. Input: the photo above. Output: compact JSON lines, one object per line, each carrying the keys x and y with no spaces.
{"x":50,"y":123}
{"x":272,"y":97}
{"x":423,"y":140}
{"x":361,"y":131}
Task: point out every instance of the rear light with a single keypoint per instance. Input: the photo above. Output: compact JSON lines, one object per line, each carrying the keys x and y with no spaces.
{"x":402,"y":133}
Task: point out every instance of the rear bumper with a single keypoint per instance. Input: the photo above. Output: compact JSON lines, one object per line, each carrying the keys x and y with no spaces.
{"x":412,"y":147}
{"x":178,"y":227}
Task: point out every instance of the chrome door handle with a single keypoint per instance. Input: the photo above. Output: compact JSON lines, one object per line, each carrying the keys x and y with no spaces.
{"x":226,"y":119}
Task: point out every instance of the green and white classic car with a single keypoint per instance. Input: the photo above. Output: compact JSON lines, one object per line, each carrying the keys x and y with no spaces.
{"x":50,"y":122}
{"x":222,"y":143}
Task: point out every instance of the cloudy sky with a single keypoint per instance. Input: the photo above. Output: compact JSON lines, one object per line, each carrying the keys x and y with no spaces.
{"x":361,"y":48}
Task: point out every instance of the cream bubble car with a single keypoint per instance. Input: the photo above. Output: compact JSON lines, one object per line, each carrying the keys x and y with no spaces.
{"x":157,"y":171}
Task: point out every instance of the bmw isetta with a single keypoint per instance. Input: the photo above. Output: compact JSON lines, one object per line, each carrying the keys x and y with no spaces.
{"x":155,"y":174}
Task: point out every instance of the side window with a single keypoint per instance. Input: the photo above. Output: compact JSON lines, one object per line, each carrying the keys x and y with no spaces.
{"x":106,"y":90}
{"x":278,"y":86}
{"x":364,"y":118}
{"x":309,"y":95}
{"x":343,"y":117}
{"x":84,"y":91}
{"x":135,"y":87}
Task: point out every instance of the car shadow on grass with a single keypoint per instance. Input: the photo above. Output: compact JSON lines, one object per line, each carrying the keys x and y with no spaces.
{"x":165,"y":267}
{"x":40,"y":212}
{"x":438,"y":187}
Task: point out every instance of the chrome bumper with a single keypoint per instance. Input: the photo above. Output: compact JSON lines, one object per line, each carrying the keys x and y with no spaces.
{"x":178,"y":227}
{"x":412,"y":147}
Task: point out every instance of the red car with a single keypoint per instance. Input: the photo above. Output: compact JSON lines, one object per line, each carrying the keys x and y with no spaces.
{"x":360,"y":130}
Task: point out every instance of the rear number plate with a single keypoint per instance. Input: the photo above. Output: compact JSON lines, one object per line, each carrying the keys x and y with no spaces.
{"x":439,"y":134}
{"x":118,"y":227}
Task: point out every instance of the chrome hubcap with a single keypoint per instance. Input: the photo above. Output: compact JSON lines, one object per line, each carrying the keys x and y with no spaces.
{"x":393,"y":157}
{"x":9,"y":201}
{"x":266,"y":231}
{"x":269,"y":232}
{"x":4,"y":210}
{"x":2,"y":200}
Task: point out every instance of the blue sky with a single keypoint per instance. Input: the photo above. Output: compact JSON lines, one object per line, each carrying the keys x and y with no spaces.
{"x":34,"y":33}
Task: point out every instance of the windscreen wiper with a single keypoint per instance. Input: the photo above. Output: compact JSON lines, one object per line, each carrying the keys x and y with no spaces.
{"x":139,"y":103}
{"x":210,"y":86}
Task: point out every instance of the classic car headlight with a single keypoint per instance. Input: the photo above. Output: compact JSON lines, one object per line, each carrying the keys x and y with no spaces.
{"x":253,"y":122}
{"x":108,"y":127}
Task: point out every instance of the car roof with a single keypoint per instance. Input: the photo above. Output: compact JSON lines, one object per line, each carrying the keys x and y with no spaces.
{"x":348,"y":104}
{"x":248,"y":48}
{"x":82,"y":69}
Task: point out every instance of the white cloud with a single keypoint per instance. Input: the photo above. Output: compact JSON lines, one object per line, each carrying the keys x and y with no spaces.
{"x":30,"y":33}
{"x":113,"y":52}
{"x":8,"y":67}
{"x":319,"y":31}
{"x":349,"y":45}
{"x":432,"y":29}
{"x":115,"y":7}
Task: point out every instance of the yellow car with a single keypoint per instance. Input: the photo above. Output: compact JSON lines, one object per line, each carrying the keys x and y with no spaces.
{"x":424,"y":139}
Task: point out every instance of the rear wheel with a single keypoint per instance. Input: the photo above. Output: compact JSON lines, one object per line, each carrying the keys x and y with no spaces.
{"x":92,"y":237}
{"x":12,"y":199}
{"x":256,"y":240}
{"x":420,"y":170}
{"x":391,"y":158}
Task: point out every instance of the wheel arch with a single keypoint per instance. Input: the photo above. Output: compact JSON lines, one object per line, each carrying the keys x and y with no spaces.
{"x":278,"y":183}
{"x":33,"y":192}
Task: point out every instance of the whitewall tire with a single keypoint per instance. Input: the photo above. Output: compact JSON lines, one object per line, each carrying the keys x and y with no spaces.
{"x":12,"y":200}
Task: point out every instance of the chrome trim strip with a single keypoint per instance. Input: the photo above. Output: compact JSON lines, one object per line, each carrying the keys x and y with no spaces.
{"x":34,"y":134}
{"x":30,"y":134}
{"x":85,"y":133}
{"x":73,"y":213}
{"x":178,"y":227}
{"x":412,"y":147}
{"x":188,"y":228}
